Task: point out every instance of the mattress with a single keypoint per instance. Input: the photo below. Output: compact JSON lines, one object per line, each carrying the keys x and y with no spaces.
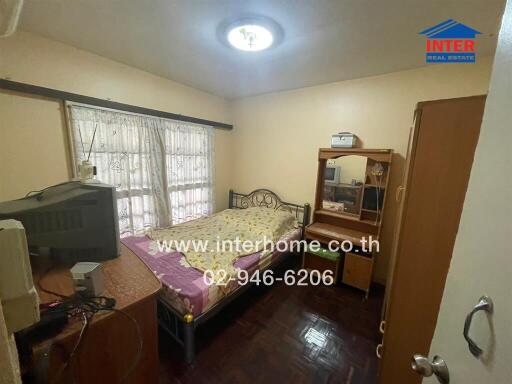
{"x":184,"y":287}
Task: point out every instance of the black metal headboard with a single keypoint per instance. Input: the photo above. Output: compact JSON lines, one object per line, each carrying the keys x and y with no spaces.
{"x":268,"y":199}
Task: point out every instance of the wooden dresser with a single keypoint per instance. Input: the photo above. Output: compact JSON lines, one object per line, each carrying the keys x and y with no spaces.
{"x":110,"y":344}
{"x":336,"y":220}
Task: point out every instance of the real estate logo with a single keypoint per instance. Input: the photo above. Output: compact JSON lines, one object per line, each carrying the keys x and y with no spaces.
{"x":450,"y":42}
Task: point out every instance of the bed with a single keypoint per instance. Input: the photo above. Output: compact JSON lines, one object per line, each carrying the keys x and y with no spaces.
{"x":186,"y":300}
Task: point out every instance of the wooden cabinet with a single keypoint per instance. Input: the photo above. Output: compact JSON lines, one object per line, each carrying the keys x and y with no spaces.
{"x":357,"y":271}
{"x":439,"y":160}
{"x":111,"y":343}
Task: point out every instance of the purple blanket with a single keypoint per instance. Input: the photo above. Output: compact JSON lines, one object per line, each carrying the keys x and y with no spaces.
{"x":184,"y":287}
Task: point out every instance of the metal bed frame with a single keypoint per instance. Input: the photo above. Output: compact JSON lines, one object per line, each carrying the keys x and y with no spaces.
{"x":181,"y":327}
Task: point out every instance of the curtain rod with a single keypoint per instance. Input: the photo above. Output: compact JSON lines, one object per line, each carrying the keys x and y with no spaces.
{"x":68,"y":96}
{"x":69,"y":104}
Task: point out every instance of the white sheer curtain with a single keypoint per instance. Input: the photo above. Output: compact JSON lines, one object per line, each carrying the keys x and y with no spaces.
{"x":162,"y":169}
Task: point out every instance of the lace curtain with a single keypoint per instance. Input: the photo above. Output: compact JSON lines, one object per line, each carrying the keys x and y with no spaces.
{"x":162,"y":169}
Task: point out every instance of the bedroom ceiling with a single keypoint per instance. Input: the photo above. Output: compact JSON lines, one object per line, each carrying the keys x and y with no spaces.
{"x":324,"y":40}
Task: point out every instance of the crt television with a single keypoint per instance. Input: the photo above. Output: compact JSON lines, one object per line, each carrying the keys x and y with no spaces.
{"x":72,"y":221}
{"x":332,"y":174}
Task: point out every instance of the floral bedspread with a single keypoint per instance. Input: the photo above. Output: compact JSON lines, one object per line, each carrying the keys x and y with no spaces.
{"x":205,"y":242}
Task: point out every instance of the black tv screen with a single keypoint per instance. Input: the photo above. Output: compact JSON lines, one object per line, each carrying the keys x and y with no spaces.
{"x":329,"y":173}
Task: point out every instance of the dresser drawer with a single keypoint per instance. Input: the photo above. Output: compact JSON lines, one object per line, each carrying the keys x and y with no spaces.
{"x":357,"y":271}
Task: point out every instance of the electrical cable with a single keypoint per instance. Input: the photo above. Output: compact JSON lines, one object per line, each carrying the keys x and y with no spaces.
{"x":87,"y":306}
{"x":39,"y":281}
{"x":75,"y":349}
{"x":51,"y":186}
{"x":136,"y":360}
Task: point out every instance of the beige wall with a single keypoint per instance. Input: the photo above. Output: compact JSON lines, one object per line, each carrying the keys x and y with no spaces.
{"x":32,"y":151}
{"x":277,"y":136}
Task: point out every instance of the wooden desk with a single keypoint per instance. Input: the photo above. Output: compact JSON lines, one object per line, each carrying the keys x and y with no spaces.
{"x":324,"y":233}
{"x":357,"y":269}
{"x":111,"y":343}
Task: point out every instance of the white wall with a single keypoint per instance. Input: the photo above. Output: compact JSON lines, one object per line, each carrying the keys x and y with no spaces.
{"x":482,"y":256}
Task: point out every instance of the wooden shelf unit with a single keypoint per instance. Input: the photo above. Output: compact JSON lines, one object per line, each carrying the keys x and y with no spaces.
{"x":331,"y":225}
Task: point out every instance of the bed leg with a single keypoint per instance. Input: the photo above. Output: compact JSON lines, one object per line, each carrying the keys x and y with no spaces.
{"x":189,"y":340}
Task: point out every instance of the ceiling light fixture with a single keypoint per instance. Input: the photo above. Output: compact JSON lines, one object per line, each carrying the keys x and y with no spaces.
{"x":250,"y":37}
{"x":252,"y":34}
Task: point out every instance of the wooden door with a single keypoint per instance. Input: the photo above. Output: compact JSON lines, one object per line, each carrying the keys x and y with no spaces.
{"x":442,"y":153}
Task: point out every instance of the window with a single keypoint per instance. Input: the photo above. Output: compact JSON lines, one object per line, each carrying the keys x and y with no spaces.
{"x":162,"y":169}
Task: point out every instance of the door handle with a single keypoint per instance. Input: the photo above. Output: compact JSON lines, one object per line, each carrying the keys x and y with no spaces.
{"x":382,"y":326}
{"x":378,"y":351}
{"x":398,"y":193}
{"x":421,"y":365}
{"x":484,"y":304}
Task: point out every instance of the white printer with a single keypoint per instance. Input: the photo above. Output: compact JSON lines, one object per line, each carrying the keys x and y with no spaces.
{"x":343,"y":140}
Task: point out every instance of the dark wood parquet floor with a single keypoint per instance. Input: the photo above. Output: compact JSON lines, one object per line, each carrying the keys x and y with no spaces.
{"x":284,"y":334}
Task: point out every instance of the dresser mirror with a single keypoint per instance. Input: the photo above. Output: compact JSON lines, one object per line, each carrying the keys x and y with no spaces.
{"x":352,"y":184}
{"x":343,"y":183}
